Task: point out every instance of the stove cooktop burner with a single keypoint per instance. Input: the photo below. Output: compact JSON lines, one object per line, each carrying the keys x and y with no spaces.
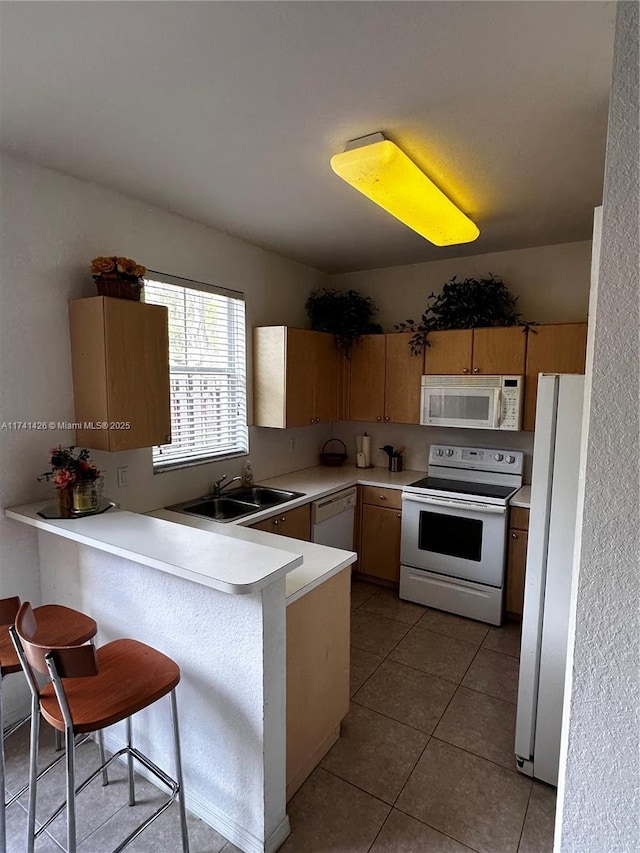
{"x":483,"y":490}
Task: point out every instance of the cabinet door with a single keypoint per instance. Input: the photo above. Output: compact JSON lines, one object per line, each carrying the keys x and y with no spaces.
{"x":317,"y":674}
{"x":558,"y":348}
{"x":300,"y":369}
{"x":327,"y":363}
{"x":517,"y":561}
{"x":499,"y":350}
{"x":449,"y":352}
{"x":403,"y":373}
{"x":296,"y":523}
{"x":380,"y":542}
{"x":120,"y":354}
{"x":367,"y":378}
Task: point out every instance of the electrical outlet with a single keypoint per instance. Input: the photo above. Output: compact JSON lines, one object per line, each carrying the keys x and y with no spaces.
{"x":292,"y":444}
{"x":122,"y":476}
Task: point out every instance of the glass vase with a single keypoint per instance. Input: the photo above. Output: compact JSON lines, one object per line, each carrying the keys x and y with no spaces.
{"x":85,"y":497}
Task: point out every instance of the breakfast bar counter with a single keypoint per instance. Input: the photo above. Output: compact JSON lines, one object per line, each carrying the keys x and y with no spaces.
{"x":213,"y":597}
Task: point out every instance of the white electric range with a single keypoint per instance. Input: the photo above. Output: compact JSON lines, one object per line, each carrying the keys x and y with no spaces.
{"x":454,"y":530}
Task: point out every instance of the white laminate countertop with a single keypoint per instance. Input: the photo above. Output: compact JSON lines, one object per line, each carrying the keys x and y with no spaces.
{"x":231,"y":564}
{"x":522,"y":498}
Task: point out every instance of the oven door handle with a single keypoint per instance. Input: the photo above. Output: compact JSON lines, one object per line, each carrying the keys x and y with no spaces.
{"x":451,"y":504}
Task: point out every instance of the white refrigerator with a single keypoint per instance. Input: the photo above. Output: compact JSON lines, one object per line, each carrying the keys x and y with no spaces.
{"x":549,"y":570}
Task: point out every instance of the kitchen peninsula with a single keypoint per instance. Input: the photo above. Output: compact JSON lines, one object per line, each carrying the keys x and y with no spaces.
{"x":213,"y":598}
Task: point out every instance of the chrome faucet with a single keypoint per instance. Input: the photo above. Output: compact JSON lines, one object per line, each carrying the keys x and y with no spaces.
{"x":218,"y":485}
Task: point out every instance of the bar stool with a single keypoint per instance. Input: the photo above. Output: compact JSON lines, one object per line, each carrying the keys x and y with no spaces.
{"x":90,"y":689}
{"x":56,"y":624}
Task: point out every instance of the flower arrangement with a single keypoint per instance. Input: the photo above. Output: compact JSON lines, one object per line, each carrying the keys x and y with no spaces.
{"x":69,"y":468}
{"x":117,"y":268}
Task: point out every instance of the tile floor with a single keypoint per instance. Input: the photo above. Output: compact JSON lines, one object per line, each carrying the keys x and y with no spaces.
{"x":424,"y":763}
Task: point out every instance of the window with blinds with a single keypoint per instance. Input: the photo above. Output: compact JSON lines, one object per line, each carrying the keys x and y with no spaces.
{"x":207,"y":369}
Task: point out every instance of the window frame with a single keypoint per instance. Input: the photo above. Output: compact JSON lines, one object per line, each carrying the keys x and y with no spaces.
{"x":213,"y":289}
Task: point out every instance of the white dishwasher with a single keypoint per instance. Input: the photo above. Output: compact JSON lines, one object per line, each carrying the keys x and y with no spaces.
{"x":332,"y":520}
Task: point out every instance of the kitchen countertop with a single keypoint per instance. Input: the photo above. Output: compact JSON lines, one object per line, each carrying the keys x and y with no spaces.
{"x":246,"y":560}
{"x":522,"y":498}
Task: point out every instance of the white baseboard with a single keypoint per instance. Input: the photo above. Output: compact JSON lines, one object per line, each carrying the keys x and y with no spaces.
{"x":212,"y":816}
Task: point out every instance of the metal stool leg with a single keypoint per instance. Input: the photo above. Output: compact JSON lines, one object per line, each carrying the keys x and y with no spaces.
{"x":3,"y":824}
{"x":70,"y":744}
{"x":132,"y":786}
{"x":33,"y":774}
{"x":178,"y":760}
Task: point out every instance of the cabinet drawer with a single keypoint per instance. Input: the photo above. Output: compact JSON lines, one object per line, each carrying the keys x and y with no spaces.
{"x":519,"y":517}
{"x":375,"y":496}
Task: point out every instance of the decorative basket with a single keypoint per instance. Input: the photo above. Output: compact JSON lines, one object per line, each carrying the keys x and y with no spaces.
{"x":333,"y":458}
{"x":120,"y":288}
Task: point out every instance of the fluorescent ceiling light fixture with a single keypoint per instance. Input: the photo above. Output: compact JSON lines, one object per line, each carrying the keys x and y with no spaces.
{"x":376,"y":167}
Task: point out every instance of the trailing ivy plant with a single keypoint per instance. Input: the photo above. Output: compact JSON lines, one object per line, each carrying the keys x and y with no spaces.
{"x":469,"y":304}
{"x":346,"y":314}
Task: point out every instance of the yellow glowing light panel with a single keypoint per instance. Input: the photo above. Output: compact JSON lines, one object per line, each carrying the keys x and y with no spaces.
{"x":385,"y":174}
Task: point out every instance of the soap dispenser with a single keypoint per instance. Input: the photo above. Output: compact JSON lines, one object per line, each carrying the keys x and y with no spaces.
{"x":247,"y":474}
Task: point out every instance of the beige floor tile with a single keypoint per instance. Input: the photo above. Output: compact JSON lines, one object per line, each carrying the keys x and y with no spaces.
{"x":468,"y":798}
{"x":494,"y":674}
{"x":436,"y":654}
{"x":404,"y":834}
{"x":386,"y":603}
{"x":362,"y":665}
{"x":480,"y":724}
{"x":407,"y":695}
{"x":375,"y":753}
{"x":375,"y":634}
{"x":454,"y":626}
{"x":505,"y":639}
{"x":361,"y":591}
{"x":327,"y":814}
{"x":537,"y":835}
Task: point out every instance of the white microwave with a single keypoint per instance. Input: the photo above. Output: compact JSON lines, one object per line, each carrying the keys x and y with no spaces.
{"x":474,"y":402}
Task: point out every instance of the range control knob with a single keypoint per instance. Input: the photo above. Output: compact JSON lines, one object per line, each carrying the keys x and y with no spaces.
{"x":511,"y":459}
{"x":499,"y":457}
{"x":449,"y":452}
{"x":439,"y":452}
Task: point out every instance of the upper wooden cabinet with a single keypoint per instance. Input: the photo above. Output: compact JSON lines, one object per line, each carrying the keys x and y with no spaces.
{"x":490,"y":351}
{"x":385,"y":380}
{"x":559,"y":348}
{"x":296,"y":377}
{"x":120,"y":363}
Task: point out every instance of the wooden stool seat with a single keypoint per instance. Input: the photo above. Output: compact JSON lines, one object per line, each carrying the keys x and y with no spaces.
{"x":57,"y":626}
{"x":131,"y":676}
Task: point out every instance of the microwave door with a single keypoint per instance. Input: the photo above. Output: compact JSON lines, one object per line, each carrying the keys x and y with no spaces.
{"x":476,"y":408}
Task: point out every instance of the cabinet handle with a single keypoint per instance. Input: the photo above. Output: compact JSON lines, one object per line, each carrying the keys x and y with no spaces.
{"x":399,"y":515}
{"x":465,"y":369}
{"x":387,"y":418}
{"x":275,"y":522}
{"x":378,"y":418}
{"x":476,"y":370}
{"x":383,"y":497}
{"x":514,"y":535}
{"x":283,"y":519}
{"x":312,"y":420}
{"x":317,"y":420}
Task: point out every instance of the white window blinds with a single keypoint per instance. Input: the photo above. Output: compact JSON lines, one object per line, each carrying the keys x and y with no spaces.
{"x":207,"y":369}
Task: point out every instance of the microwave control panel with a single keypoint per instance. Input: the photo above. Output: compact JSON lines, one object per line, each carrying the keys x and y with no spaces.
{"x":511,"y":402}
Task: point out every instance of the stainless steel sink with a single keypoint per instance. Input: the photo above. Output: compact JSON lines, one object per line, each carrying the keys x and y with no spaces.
{"x":236,"y":504}
{"x":264,"y":496}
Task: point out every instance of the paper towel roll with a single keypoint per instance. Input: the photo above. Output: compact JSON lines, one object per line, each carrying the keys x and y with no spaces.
{"x":366,"y":449}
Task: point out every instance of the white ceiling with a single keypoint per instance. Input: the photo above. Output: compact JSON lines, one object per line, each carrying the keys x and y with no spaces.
{"x":229,"y":112}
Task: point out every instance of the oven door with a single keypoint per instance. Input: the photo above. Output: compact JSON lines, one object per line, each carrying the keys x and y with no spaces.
{"x":460,"y":539}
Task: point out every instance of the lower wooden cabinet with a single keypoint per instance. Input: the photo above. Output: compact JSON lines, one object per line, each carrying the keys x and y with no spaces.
{"x":318,"y":627}
{"x":380,"y":525}
{"x":517,"y":560}
{"x":296,"y":523}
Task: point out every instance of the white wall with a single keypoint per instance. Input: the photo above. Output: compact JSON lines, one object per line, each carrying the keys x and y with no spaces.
{"x":600,"y":768}
{"x":552,"y":282}
{"x":52,"y":226}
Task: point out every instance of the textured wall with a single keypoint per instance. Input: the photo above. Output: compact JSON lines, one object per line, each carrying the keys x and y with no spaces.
{"x":231,"y":652}
{"x":599,"y":791}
